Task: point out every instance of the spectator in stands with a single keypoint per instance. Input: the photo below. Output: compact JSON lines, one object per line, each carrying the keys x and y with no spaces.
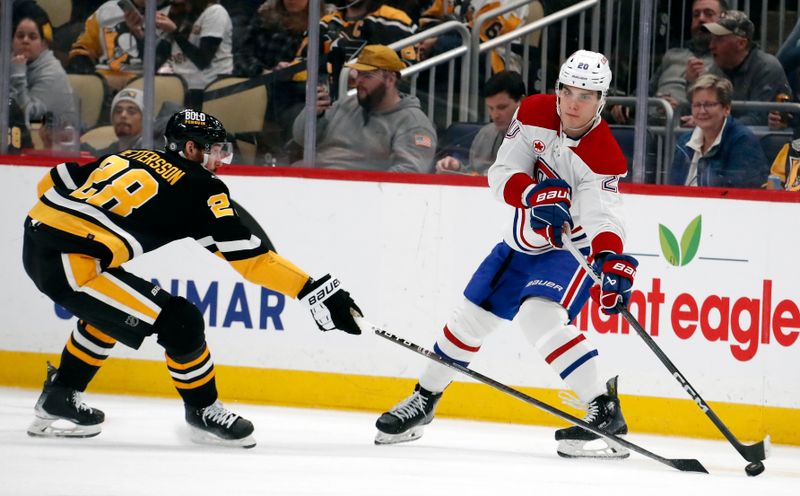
{"x":241,"y":12}
{"x":270,"y":43}
{"x":756,"y":75}
{"x":200,"y":47}
{"x":378,"y":128}
{"x":126,"y":117}
{"x":783,"y":175}
{"x":38,"y":83}
{"x":719,"y":151}
{"x":112,"y":42}
{"x":504,"y":92}
{"x":682,"y":65}
{"x":789,"y":57}
{"x":273,"y":37}
{"x":356,"y":23}
{"x":65,"y":35}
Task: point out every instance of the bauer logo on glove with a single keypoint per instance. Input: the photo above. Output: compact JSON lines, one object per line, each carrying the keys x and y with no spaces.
{"x":616,"y":282}
{"x":330,"y":305}
{"x":321,"y":293}
{"x":549,"y":202}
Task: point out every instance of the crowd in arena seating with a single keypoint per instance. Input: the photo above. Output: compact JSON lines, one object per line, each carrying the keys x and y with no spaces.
{"x":264,"y":43}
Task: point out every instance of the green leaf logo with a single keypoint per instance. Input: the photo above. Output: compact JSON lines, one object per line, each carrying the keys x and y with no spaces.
{"x":680,"y":255}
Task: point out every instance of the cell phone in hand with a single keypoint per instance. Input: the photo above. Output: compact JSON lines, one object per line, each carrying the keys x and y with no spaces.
{"x":126,"y":6}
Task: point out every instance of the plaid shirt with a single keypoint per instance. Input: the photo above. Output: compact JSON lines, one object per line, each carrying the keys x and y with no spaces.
{"x":263,"y":46}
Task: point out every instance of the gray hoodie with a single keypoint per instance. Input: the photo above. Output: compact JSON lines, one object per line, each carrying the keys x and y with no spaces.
{"x":401,"y":139}
{"x":41,"y":86}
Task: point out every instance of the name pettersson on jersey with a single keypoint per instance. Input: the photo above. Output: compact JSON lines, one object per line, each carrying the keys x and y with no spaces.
{"x":160,"y":166}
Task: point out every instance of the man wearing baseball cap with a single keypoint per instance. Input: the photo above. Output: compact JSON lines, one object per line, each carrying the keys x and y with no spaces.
{"x":378,"y":128}
{"x":756,"y":75}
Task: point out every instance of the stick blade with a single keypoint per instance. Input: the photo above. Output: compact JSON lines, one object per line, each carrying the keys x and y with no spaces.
{"x":756,"y":452}
{"x":689,"y":465}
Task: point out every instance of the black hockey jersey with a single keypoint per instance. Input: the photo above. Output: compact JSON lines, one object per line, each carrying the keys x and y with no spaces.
{"x":121,"y":206}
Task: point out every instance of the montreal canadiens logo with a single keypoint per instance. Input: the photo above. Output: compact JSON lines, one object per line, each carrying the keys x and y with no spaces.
{"x":538,"y":146}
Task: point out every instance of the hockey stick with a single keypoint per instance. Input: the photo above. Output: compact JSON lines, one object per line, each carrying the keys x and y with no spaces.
{"x":685,"y":465}
{"x":752,"y":452}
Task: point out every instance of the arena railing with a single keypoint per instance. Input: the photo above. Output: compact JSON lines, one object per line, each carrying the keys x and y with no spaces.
{"x":506,"y":40}
{"x":665,"y":135}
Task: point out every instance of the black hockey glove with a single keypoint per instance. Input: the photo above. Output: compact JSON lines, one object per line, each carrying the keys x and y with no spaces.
{"x":330,"y":305}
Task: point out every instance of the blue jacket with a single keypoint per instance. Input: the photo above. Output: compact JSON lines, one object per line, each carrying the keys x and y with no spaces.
{"x":737,"y":162}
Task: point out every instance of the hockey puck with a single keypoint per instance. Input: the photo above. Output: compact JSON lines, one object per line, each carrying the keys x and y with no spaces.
{"x":754,"y":469}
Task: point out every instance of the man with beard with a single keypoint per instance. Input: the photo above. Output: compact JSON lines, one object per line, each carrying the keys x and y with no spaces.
{"x":126,"y":118}
{"x":682,"y":65}
{"x":377,"y":129}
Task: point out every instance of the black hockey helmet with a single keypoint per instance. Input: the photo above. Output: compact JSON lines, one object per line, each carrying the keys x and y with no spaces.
{"x":190,"y":125}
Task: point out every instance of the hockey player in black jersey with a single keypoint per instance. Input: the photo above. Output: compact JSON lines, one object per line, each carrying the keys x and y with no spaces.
{"x":91,"y":219}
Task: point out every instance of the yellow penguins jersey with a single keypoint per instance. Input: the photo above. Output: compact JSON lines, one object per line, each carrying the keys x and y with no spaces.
{"x":469,"y":11}
{"x":784,"y":171}
{"x":121,"y":206}
{"x":107,"y":40}
{"x":382,"y":26}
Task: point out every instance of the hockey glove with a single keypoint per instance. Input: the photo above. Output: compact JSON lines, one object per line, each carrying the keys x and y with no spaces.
{"x":549,"y":202}
{"x":616,"y":281}
{"x":330,"y":305}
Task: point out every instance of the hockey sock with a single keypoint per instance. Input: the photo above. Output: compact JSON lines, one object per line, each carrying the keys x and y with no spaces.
{"x":85,"y":352}
{"x":455,"y":348}
{"x":461,"y":338}
{"x":193,"y":375}
{"x":563,"y":347}
{"x":574,"y":359}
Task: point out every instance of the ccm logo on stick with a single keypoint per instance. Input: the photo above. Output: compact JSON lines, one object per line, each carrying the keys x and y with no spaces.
{"x":688,"y":388}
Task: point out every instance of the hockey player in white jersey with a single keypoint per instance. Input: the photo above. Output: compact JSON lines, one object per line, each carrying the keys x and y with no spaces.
{"x":558,"y":165}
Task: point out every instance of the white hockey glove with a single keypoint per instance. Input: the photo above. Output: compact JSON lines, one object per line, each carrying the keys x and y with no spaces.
{"x":330,"y":305}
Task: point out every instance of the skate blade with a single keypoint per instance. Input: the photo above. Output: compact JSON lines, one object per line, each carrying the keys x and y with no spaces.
{"x":199,"y":436}
{"x":410,"y":435}
{"x":598,"y":448}
{"x":57,"y":427}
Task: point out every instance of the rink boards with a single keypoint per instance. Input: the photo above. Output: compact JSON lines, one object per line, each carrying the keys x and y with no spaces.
{"x":716,"y":288}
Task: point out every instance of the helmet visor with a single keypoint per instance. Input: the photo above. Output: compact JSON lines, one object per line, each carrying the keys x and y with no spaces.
{"x":222,"y":152}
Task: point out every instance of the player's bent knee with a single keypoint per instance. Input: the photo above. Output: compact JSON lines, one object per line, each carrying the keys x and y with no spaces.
{"x":539,"y":317}
{"x":472,"y":322}
{"x":180,"y":327}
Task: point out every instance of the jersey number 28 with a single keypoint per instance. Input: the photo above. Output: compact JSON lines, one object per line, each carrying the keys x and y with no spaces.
{"x":113,"y":188}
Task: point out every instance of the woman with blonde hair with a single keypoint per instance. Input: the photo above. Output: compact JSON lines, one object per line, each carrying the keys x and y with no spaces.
{"x":719,"y":151}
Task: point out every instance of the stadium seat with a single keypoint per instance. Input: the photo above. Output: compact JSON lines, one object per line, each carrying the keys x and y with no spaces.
{"x":59,"y":11}
{"x":92,"y":91}
{"x":168,"y":88}
{"x":99,"y":137}
{"x":625,"y":136}
{"x":772,"y":143}
{"x":242,"y":113}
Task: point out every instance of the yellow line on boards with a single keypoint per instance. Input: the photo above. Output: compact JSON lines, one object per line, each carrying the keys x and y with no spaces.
{"x":294,"y":388}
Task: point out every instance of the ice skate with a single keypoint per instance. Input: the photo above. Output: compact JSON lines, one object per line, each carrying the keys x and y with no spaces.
{"x":407,"y":420}
{"x":217,"y":425}
{"x":603,"y":412}
{"x":61,"y":412}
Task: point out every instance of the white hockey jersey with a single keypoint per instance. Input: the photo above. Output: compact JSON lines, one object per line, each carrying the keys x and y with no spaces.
{"x":534,"y":149}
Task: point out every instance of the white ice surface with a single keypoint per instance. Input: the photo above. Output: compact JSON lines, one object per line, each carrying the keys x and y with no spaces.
{"x":144,"y":449}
